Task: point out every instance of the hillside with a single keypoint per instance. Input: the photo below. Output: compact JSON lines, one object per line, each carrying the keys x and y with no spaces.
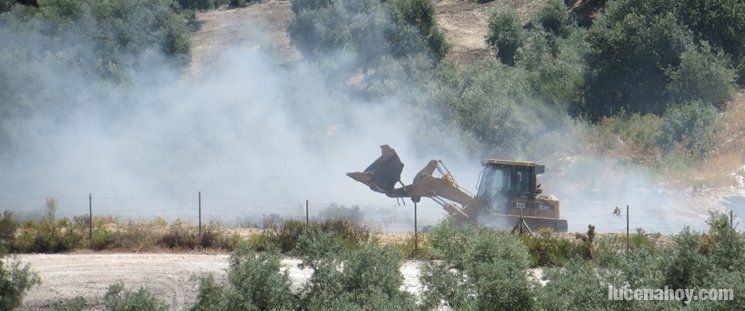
{"x":463,"y":21}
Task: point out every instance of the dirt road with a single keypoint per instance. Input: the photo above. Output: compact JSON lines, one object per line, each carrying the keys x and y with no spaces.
{"x":170,"y":276}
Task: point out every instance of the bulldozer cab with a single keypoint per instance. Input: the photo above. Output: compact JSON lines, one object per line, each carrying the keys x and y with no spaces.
{"x":504,"y":181}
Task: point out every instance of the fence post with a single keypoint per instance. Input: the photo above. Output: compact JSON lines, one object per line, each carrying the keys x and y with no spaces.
{"x":90,"y":217}
{"x":627,"y":228}
{"x":416,"y":232}
{"x":731,"y":219}
{"x":199,"y":196}
{"x":307,"y":219}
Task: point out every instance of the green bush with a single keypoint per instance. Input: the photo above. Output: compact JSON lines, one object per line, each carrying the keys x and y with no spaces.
{"x":555,"y":65}
{"x":576,"y":286}
{"x":15,"y":281}
{"x":119,"y":299}
{"x":702,"y":75}
{"x":75,"y":304}
{"x":8,"y":228}
{"x":254,"y":283}
{"x":368,"y":29}
{"x":553,"y":17}
{"x":314,"y":244}
{"x":629,"y":59}
{"x":505,"y":34}
{"x":496,"y":106}
{"x":103,"y":238}
{"x":210,"y":295}
{"x":480,"y":270}
{"x":119,"y":30}
{"x":46,"y":236}
{"x":642,"y":47}
{"x":693,"y":124}
{"x":721,"y":23}
{"x":181,"y":235}
{"x":286,"y":237}
{"x":367,"y":278}
{"x":548,"y":250}
{"x":419,"y":14}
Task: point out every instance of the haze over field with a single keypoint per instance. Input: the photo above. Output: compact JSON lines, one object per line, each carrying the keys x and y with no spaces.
{"x":258,"y":133}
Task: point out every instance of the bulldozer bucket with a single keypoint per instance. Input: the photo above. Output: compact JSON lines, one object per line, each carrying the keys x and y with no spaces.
{"x":382,"y":175}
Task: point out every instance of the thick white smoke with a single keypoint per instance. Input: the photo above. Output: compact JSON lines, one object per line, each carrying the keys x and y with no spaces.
{"x":256,"y":137}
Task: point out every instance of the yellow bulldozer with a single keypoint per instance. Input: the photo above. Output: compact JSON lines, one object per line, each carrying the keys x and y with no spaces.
{"x":509,"y":196}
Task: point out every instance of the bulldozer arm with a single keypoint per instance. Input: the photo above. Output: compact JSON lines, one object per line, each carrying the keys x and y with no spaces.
{"x":383,"y":174}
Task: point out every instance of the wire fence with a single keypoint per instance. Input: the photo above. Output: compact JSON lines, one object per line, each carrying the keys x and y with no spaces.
{"x":236,"y":211}
{"x":229,"y":211}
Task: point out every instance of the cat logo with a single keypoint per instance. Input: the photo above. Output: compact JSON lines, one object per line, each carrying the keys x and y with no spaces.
{"x":520,"y":205}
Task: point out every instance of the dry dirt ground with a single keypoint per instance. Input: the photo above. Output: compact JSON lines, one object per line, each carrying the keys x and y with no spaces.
{"x":264,"y":25}
{"x":172,"y":277}
{"x":464,"y":23}
{"x":260,"y":26}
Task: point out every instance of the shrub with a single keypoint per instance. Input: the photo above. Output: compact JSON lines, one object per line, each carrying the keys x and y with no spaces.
{"x":365,"y":278}
{"x":181,"y":235}
{"x":8,"y":227}
{"x":505,"y":34}
{"x":119,"y":299}
{"x":314,"y":244}
{"x":369,"y":29}
{"x":481,"y":269}
{"x":75,"y":304}
{"x":686,"y":267}
{"x":702,"y":75}
{"x":103,"y":236}
{"x":694,"y":125}
{"x":555,"y":65}
{"x":629,"y":59}
{"x":351,"y":234}
{"x":642,"y":47}
{"x":576,"y":286}
{"x":240,"y":3}
{"x":210,"y":295}
{"x":140,"y":235}
{"x":335,"y":211}
{"x":547,"y":250}
{"x":406,"y":247}
{"x":728,"y":249}
{"x":15,"y":281}
{"x":46,"y":236}
{"x":448,"y":241}
{"x":254,"y":283}
{"x":419,"y":14}
{"x":285,"y":238}
{"x":120,"y":31}
{"x":553,"y":17}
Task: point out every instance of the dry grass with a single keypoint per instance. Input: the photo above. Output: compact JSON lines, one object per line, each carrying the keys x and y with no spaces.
{"x":729,"y":157}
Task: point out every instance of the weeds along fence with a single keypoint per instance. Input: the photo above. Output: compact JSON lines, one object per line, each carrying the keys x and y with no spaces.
{"x":235,"y":211}
{"x":230,"y":211}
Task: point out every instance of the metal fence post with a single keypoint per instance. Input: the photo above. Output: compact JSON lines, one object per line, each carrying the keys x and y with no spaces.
{"x":199,"y":197}
{"x":627,"y":228}
{"x":90,"y":217}
{"x":416,"y":232}
{"x":731,"y":219}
